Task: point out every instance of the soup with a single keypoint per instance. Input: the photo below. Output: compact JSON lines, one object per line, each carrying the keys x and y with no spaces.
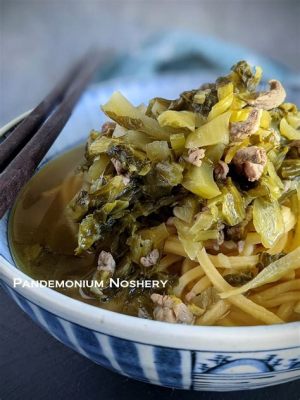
{"x":42,"y":237}
{"x":184,"y":211}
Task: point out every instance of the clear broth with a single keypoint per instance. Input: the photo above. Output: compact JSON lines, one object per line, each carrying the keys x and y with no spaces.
{"x":43,"y":239}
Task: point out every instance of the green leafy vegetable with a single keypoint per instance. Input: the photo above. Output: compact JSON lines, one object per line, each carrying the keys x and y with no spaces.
{"x":213,"y":132}
{"x":119,"y":109}
{"x":272,"y":273}
{"x":290,"y":169}
{"x":233,"y":205}
{"x":268,"y":221}
{"x":158,"y":151}
{"x":200,"y":180}
{"x":177,"y":120}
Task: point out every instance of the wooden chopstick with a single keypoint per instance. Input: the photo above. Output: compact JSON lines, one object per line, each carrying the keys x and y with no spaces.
{"x":23,"y":165}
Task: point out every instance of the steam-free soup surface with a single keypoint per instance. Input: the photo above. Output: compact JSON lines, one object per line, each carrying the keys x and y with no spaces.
{"x":43,"y":238}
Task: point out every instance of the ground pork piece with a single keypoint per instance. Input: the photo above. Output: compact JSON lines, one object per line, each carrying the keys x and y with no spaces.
{"x":105,"y":269}
{"x":270,"y":99}
{"x":118,"y":166}
{"x":108,"y":128}
{"x":120,"y":170}
{"x":150,"y":259}
{"x":253,"y":171}
{"x":240,"y":130}
{"x":195,"y":156}
{"x":106,"y":262}
{"x":241,"y":246}
{"x":171,"y":309}
{"x":221,"y":171}
{"x":126,"y":179}
{"x":250,"y":162}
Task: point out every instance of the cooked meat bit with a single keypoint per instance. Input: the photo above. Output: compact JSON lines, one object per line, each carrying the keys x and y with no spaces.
{"x":240,"y":130}
{"x":212,"y":244}
{"x":241,"y":246}
{"x":118,"y":166}
{"x":221,"y":171}
{"x":126,"y":179}
{"x":236,"y":232}
{"x":215,"y":244}
{"x":220,"y":228}
{"x":120,"y":170}
{"x":170,"y":309}
{"x":106,"y":262}
{"x":271,"y":99}
{"x":151,"y":259}
{"x":108,"y":128}
{"x":195,"y":156}
{"x":105,"y":269}
{"x":253,"y":171}
{"x":250,"y":162}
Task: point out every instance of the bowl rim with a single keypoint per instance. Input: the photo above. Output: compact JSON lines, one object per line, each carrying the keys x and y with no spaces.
{"x":179,"y":336}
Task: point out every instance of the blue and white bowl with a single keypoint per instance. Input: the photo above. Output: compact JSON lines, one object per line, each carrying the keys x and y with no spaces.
{"x":177,"y":356}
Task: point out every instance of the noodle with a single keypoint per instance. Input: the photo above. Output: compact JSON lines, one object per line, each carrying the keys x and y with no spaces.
{"x":285,"y":310}
{"x":186,"y":278}
{"x":252,"y":310}
{"x":281,"y":299}
{"x":240,"y":301}
{"x":238,"y":262}
{"x":174,"y":247}
{"x":168,"y":260}
{"x":187,"y":265}
{"x":277,"y":290}
{"x":214,"y":313}
{"x":199,"y":287}
{"x":297,"y":307}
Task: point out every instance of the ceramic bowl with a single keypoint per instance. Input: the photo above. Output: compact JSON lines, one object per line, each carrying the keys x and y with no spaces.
{"x":177,"y":356}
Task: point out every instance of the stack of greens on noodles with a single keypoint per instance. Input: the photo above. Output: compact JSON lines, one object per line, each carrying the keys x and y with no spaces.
{"x":202,"y":191}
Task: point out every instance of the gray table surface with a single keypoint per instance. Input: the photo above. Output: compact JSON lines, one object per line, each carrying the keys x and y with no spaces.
{"x":40,"y":38}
